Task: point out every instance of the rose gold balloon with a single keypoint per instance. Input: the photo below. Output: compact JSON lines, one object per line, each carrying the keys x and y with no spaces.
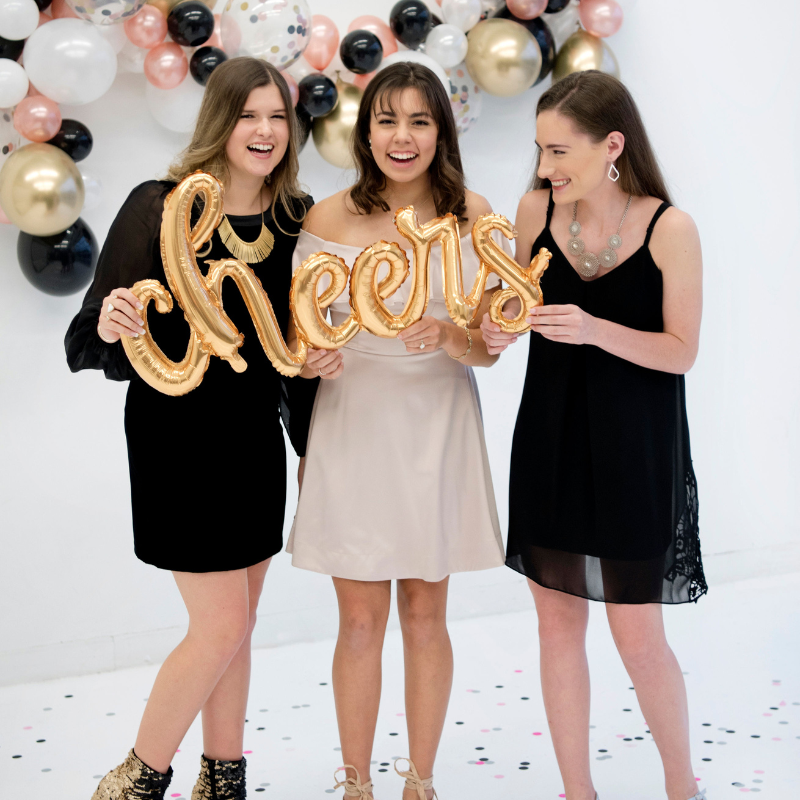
{"x":60,"y":9}
{"x":165,"y":66}
{"x":43,"y":18}
{"x":215,"y":40}
{"x":322,"y":43}
{"x":377,"y":26}
{"x":33,"y":91}
{"x":37,"y":118}
{"x":362,"y":80}
{"x":526,"y":9}
{"x":148,"y":28}
{"x":294,"y":89}
{"x":600,"y":17}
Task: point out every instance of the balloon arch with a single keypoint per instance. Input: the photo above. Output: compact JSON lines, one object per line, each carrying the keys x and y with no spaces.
{"x":73,"y":49}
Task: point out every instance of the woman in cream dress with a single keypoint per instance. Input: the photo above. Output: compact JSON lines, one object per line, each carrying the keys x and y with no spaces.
{"x":397,"y":483}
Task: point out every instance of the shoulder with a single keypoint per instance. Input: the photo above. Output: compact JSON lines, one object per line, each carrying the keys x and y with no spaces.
{"x":675,"y":241}
{"x":150,"y":192}
{"x":532,"y":213}
{"x":293,"y":211}
{"x":325,"y":219}
{"x":145,"y":204}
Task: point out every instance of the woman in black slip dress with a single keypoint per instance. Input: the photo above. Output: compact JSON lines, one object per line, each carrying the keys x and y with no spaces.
{"x":603,"y":499}
{"x":217,"y":545}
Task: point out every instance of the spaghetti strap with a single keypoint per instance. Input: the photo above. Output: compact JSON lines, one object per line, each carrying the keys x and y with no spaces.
{"x":550,"y":206}
{"x":661,"y":209}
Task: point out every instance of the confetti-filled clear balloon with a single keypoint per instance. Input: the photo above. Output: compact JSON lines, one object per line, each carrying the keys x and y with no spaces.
{"x":9,"y":136}
{"x":105,"y":12}
{"x":466,"y":98}
{"x":276,"y":30}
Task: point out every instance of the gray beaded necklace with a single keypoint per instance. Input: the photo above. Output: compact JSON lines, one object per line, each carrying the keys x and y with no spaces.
{"x":589,"y":263}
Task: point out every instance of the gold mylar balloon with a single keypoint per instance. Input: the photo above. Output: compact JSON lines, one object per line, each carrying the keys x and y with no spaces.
{"x":41,"y":189}
{"x":332,"y":132}
{"x":583,"y":51}
{"x":503,"y":58}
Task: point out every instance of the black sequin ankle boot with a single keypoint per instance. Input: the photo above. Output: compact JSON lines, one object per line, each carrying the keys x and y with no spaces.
{"x":133,"y":780}
{"x":220,"y":780}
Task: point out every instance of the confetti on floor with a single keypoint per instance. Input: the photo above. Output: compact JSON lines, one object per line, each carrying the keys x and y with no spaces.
{"x":739,"y":649}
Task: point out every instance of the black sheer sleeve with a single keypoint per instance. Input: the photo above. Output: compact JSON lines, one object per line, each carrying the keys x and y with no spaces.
{"x":131,"y":253}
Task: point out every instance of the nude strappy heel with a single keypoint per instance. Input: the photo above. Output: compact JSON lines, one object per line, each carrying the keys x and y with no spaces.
{"x":353,"y":786}
{"x":413,"y":780}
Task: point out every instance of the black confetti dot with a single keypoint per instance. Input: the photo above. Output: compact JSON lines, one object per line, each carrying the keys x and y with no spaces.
{"x":626,"y":709}
{"x":323,"y":684}
{"x":47,"y":769}
{"x":263,"y":709}
{"x":602,"y":751}
{"x":631,"y":688}
{"x":67,"y":695}
{"x":385,"y":763}
{"x":774,"y":708}
{"x":706,"y":724}
{"x":16,"y":756}
{"x":523,"y":768}
{"x":480,"y":748}
{"x":39,"y":741}
{"x":639,"y":738}
{"x":627,"y":739}
{"x":525,"y":763}
{"x":259,"y":789}
{"x":383,"y":769}
{"x":524,"y":698}
{"x":483,"y":759}
{"x":47,"y":709}
{"x":259,"y":729}
{"x":706,"y":759}
{"x":707,"y":741}
{"x":647,"y":731}
{"x":730,"y":731}
{"x":498,"y":687}
{"x":755,"y":735}
{"x":736,"y":783}
{"x":392,"y":734}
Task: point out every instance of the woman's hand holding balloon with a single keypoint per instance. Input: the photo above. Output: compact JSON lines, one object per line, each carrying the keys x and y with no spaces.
{"x":424,"y":336}
{"x":119,"y":316}
{"x":496,"y":340}
{"x":569,"y":324}
{"x":326,"y":364}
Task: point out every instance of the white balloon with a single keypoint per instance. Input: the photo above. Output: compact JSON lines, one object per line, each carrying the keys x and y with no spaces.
{"x":300,"y":69}
{"x":114,"y":35}
{"x":131,"y":58}
{"x":18,"y":18}
{"x":176,"y":109}
{"x":418,"y":58}
{"x":70,"y":62}
{"x":93,"y":189}
{"x":447,"y":45}
{"x":13,"y":83}
{"x":464,"y":14}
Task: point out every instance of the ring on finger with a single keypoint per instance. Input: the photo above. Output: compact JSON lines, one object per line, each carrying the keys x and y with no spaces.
{"x":422,"y":345}
{"x":321,"y":373}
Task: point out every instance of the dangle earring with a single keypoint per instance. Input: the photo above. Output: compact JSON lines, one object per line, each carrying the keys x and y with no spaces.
{"x":615,"y":176}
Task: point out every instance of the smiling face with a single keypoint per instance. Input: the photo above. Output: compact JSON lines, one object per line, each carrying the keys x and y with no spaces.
{"x":573,"y":163}
{"x":403,"y":135}
{"x":261,"y":136}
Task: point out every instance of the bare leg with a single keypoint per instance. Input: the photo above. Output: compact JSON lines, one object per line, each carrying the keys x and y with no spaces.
{"x":225,"y":709}
{"x":638,"y":632}
{"x":429,"y":669}
{"x":563,"y":619}
{"x":363,"y":613}
{"x":218,"y":608}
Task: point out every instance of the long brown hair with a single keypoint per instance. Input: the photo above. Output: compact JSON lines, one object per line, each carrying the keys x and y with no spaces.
{"x":446,"y":173}
{"x":226,"y":93}
{"x":598,"y":104}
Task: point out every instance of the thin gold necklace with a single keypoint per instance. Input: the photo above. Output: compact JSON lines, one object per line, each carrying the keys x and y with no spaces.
{"x":249,"y":252}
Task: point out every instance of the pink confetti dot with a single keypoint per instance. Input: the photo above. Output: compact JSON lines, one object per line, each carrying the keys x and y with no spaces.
{"x":758,"y":771}
{"x":562,"y":795}
{"x":177,"y":794}
{"x":767,"y":714}
{"x":400,"y":715}
{"x":501,"y":704}
{"x":537,"y":733}
{"x":620,"y":736}
{"x":480,"y":763}
{"x":28,"y":728}
{"x":499,"y":776}
{"x":484,"y":730}
{"x":782,"y":703}
{"x":246,"y":752}
{"x":744,"y":790}
{"x":776,"y":738}
{"x":697,"y":779}
{"x":517,"y":670}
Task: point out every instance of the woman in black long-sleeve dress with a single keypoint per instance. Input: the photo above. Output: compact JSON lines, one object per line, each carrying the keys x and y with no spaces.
{"x":603,"y":499}
{"x":207,"y":469}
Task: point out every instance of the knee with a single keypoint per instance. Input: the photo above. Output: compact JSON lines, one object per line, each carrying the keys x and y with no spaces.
{"x":224,"y":634}
{"x":422,"y":623}
{"x":637,"y":650}
{"x":562,"y":630}
{"x":361,"y":627}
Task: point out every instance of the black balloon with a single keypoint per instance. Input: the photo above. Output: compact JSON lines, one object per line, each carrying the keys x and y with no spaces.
{"x":11,"y":48}
{"x":61,"y":264}
{"x":191,"y":23}
{"x":74,"y":138}
{"x":410,"y":21}
{"x":554,"y":6}
{"x":304,"y":125}
{"x":204,"y":61}
{"x":43,"y":4}
{"x":318,"y":95}
{"x":543,"y":35}
{"x":361,"y":52}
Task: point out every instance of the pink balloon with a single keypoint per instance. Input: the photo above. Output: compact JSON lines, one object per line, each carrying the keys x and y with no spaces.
{"x":44,"y":18}
{"x":322,"y":43}
{"x":147,"y":28}
{"x":377,"y":26}
{"x":600,"y":17}
{"x":216,"y":39}
{"x":165,"y":66}
{"x":362,"y":80}
{"x":33,"y":91}
{"x":37,"y":118}
{"x":294,"y":89}
{"x":60,"y":10}
{"x":526,"y":9}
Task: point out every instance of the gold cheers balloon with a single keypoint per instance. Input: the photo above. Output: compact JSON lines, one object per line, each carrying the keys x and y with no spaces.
{"x":214,"y":334}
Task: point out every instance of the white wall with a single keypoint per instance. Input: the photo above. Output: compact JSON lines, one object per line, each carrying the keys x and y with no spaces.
{"x":73,"y":596}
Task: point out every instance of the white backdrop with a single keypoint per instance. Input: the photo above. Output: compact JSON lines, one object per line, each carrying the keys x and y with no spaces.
{"x":725,"y":124}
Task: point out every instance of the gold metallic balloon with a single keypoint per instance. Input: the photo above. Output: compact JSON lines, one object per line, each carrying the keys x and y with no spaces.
{"x":332,"y":132}
{"x":41,"y":189}
{"x":523,"y":283}
{"x":583,"y":51}
{"x":503,"y":58}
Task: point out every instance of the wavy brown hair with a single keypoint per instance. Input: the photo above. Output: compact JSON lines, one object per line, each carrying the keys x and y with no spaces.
{"x":446,"y":173}
{"x":598,"y":104}
{"x":226,"y":93}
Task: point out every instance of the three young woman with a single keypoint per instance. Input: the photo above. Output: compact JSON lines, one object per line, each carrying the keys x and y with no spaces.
{"x":397,"y":483}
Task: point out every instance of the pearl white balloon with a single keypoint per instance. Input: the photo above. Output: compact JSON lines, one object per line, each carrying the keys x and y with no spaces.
{"x":13,"y":83}
{"x":418,"y":58}
{"x":176,"y":109}
{"x":464,"y":14}
{"x":447,"y":45}
{"x":70,"y":62}
{"x":131,"y":58}
{"x":93,"y":190}
{"x":114,"y":35}
{"x":18,"y":18}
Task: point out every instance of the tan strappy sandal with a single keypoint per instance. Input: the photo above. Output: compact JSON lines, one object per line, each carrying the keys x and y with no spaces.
{"x":413,"y":780}
{"x":353,"y":786}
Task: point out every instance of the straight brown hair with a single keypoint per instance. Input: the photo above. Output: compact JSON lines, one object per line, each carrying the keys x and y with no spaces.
{"x":226,"y":93}
{"x":448,"y":186}
{"x":598,"y":104}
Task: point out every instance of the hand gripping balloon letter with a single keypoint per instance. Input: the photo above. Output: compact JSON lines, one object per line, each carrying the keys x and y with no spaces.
{"x":523,"y":283}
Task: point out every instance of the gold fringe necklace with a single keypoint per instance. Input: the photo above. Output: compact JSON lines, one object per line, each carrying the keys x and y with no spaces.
{"x":249,"y":252}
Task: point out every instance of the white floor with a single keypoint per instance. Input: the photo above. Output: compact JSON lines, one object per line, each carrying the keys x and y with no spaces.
{"x":739,"y":647}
